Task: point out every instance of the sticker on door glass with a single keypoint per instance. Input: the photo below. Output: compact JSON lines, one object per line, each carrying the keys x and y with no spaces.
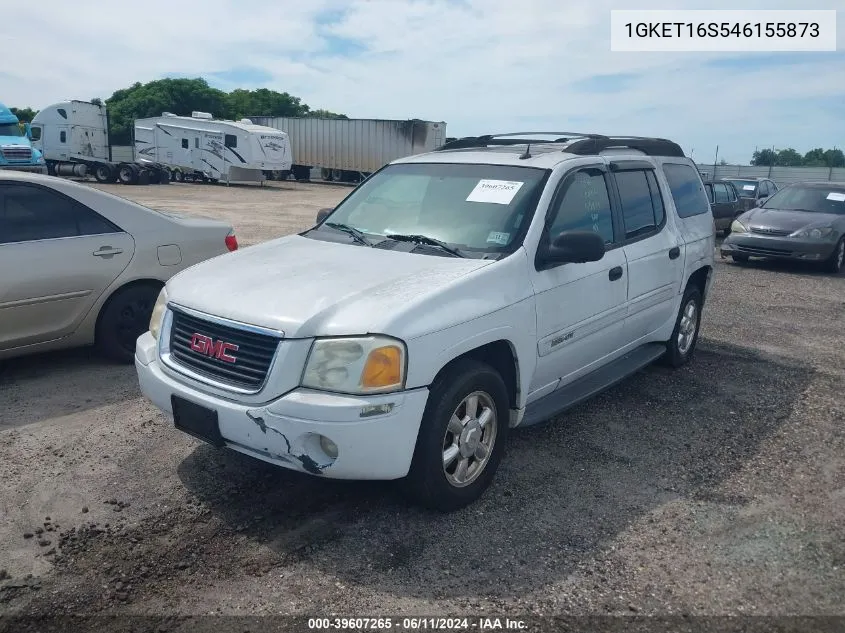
{"x":494,"y":191}
{"x":749,"y":187}
{"x":836,"y":196}
{"x":497,"y":237}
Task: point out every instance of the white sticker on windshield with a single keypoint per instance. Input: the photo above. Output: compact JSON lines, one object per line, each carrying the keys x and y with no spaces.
{"x":838,"y":197}
{"x":494,"y":191}
{"x":496,"y":237}
{"x":749,"y":187}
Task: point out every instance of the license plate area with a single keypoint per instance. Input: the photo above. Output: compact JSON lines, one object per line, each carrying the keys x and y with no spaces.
{"x":196,"y":420}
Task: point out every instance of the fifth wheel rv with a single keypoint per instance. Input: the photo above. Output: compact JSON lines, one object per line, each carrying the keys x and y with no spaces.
{"x":201,"y":147}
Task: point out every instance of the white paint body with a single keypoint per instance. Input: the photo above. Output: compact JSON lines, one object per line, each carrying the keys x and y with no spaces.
{"x":440,"y":307}
{"x":72,"y":130}
{"x":222,"y":150}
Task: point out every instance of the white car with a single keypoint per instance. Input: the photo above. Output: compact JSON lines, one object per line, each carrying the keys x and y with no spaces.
{"x":82,"y":266}
{"x":451,"y":297}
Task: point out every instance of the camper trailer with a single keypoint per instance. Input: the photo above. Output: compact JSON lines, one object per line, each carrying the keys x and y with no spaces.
{"x":201,"y":147}
{"x":73,"y":136}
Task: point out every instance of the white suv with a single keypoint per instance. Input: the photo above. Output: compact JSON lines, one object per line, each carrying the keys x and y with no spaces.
{"x":449,"y":298}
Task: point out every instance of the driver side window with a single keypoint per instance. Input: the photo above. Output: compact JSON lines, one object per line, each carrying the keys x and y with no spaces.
{"x":583,"y":205}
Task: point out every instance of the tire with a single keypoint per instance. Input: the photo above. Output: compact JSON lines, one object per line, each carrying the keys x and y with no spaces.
{"x":327,"y":174}
{"x":127,"y":175}
{"x":836,"y":262}
{"x":740,"y":259}
{"x":144,"y":177}
{"x":155,"y":176}
{"x":124,"y":318}
{"x":51,"y":168}
{"x":103,"y":174}
{"x":339,"y":175}
{"x":164,"y":176}
{"x":681,"y":346}
{"x":178,"y":176}
{"x":429,"y":481}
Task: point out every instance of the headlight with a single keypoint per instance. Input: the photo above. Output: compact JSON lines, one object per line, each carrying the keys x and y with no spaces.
{"x":738,"y":227}
{"x":158,"y":312}
{"x":367,"y":364}
{"x":814,"y":234}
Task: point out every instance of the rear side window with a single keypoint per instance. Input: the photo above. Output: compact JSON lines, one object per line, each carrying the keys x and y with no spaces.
{"x":639,"y":212}
{"x":687,"y":190}
{"x":721,"y":193}
{"x":230,"y":140}
{"x":34,"y":213}
{"x":709,"y":189}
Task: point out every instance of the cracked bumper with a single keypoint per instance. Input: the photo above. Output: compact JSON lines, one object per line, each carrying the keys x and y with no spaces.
{"x":287,"y":431}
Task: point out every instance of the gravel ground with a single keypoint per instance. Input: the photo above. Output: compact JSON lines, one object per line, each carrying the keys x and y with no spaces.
{"x":718,"y":489}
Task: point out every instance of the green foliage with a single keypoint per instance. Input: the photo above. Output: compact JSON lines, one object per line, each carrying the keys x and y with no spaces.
{"x":24,"y":114}
{"x":817,"y":157}
{"x":183,"y":96}
{"x":325,"y":114}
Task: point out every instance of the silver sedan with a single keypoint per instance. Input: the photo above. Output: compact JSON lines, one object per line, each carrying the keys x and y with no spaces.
{"x":80,"y":266}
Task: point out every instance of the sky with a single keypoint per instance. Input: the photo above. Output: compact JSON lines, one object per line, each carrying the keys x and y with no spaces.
{"x":482,"y":66}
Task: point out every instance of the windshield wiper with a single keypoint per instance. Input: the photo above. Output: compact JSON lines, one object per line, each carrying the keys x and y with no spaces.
{"x":425,"y":239}
{"x":357,"y":235}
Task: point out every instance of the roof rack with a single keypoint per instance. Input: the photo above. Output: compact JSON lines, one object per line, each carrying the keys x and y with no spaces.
{"x":579,"y":143}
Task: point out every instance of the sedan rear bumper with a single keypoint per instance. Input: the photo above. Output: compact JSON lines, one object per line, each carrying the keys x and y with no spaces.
{"x":770,"y":247}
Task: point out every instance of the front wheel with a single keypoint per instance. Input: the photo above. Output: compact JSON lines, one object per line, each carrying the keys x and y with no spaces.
{"x":836,"y":262}
{"x":681,"y":346}
{"x":462,"y":437}
{"x":103,"y":173}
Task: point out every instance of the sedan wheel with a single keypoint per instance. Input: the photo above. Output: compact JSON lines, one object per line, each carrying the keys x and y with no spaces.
{"x":837,"y":259}
{"x":123,"y":319}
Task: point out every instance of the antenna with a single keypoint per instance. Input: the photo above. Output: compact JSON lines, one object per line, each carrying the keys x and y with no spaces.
{"x":527,"y":153}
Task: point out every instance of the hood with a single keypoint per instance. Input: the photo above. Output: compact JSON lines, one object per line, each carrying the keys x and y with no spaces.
{"x":15,"y":140}
{"x":786,"y":220}
{"x":308,"y":287}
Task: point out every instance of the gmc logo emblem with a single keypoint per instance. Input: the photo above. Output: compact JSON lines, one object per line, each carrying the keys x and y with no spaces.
{"x":207,"y":346}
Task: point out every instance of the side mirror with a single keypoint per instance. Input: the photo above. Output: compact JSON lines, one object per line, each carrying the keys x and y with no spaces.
{"x":27,"y":130}
{"x":575,"y":247}
{"x":322,"y":214}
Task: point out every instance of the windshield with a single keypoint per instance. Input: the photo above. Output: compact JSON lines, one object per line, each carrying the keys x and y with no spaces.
{"x":10,"y":129}
{"x":745,"y":188}
{"x":481,"y":208}
{"x":809,"y":199}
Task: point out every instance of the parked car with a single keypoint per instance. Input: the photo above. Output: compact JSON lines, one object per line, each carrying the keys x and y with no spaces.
{"x":724,"y":203}
{"x":451,"y":297}
{"x":753,"y":190}
{"x":82,"y":266}
{"x":804,"y":221}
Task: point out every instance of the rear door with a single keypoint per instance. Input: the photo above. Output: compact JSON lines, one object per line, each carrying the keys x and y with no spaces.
{"x":723,"y":208}
{"x":57,"y":257}
{"x":654,"y":249}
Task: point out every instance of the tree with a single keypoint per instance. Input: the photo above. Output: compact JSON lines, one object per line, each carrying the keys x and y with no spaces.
{"x":789,"y":158}
{"x":763,"y":157}
{"x":723,"y":162}
{"x":25,"y":115}
{"x":834,"y":158}
{"x":326,"y":114}
{"x":183,"y":96}
{"x":97,"y":101}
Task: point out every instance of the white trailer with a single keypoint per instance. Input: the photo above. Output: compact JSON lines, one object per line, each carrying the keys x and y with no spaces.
{"x":201,"y":147}
{"x":351,"y":149}
{"x":73,"y":136}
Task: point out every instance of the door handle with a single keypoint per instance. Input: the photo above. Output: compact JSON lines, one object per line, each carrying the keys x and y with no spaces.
{"x":674,"y":252}
{"x":107,"y":251}
{"x":615,"y":273}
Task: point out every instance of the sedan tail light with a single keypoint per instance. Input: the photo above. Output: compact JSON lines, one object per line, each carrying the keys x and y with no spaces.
{"x":231,"y":241}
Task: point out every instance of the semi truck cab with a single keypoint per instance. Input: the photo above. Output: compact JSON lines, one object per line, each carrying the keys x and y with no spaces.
{"x":16,"y":150}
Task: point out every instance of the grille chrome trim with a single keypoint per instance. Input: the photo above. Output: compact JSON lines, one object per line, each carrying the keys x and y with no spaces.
{"x":212,"y":378}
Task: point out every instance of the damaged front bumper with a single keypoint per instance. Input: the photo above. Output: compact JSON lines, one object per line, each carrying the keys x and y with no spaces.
{"x":372,"y":437}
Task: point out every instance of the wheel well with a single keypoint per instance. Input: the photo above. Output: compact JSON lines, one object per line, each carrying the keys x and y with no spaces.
{"x":499,"y":355}
{"x":132,"y":284}
{"x":699,"y":279}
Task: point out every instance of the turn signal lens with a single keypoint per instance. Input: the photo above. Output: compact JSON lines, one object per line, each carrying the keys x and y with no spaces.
{"x":383,"y":368}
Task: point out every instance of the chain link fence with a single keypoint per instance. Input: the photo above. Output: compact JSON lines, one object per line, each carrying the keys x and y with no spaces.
{"x":780,"y":175}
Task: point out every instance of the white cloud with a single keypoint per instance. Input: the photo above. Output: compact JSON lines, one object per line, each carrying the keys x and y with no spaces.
{"x":480,"y":65}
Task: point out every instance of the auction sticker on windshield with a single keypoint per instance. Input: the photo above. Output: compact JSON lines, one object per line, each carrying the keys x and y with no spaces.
{"x":748,"y":187}
{"x":838,"y":197}
{"x":497,"y":237}
{"x":494,"y":191}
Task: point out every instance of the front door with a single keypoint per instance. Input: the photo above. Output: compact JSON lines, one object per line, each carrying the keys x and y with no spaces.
{"x":57,"y":258}
{"x":580,"y":306}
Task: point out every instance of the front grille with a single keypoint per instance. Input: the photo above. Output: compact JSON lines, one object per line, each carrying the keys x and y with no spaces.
{"x":765,"y":252}
{"x":761,"y":230}
{"x":254,"y":353}
{"x":17,"y":153}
